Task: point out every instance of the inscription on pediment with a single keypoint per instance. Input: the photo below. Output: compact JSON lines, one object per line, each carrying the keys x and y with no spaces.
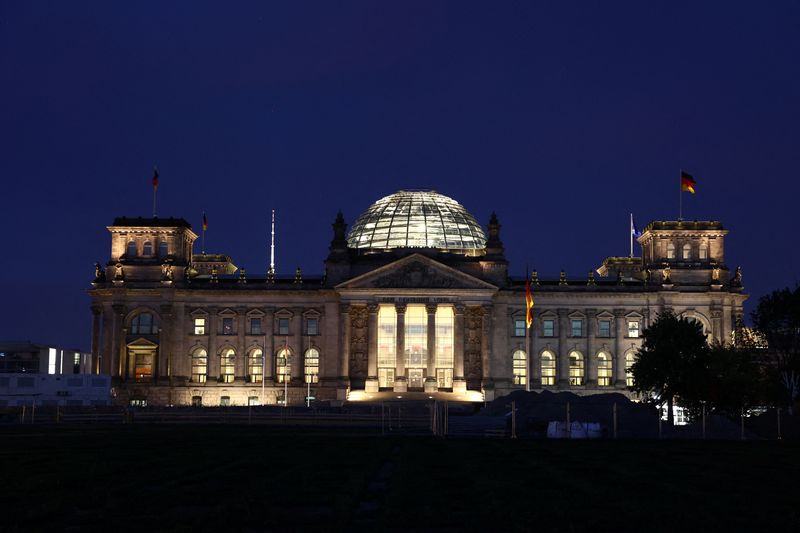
{"x":417,"y":274}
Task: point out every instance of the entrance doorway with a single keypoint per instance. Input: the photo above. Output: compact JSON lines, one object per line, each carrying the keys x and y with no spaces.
{"x":416,"y":379}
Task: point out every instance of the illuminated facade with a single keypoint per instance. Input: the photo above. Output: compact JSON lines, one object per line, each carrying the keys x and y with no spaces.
{"x":416,"y":301}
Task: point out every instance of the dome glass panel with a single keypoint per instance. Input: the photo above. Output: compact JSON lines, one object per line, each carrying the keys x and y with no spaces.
{"x":417,"y":219}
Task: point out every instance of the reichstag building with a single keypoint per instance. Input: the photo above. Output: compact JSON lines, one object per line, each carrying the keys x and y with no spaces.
{"x":415,"y":301}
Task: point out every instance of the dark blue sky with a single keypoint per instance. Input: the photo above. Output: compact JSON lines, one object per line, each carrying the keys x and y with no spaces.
{"x":561,"y":117}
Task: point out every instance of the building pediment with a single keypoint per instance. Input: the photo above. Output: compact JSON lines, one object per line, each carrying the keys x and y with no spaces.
{"x":416,"y":272}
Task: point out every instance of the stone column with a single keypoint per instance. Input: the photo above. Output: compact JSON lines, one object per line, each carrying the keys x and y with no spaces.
{"x":400,"y":381}
{"x":180,"y":358}
{"x":459,"y":381}
{"x":344,"y":351}
{"x":213,"y":356}
{"x":108,"y":364}
{"x":563,"y":353}
{"x":372,"y":348}
{"x":298,"y":363}
{"x":430,"y":378}
{"x":96,"y":339}
{"x":619,"y":347}
{"x":716,"y":325}
{"x":163,"y":362}
{"x":591,"y":355}
{"x":486,"y":352}
{"x":269,"y":345}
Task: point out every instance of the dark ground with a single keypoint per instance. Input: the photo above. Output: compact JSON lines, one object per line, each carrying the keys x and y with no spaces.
{"x":231,"y":478}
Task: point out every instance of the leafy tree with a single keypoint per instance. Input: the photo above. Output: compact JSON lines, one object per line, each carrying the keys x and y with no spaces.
{"x":735,"y":380}
{"x":672,"y":361}
{"x":777,"y":318}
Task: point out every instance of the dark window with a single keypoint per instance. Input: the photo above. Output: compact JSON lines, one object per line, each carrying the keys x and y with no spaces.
{"x":519,"y":328}
{"x":548,"y":327}
{"x":142,"y":324}
{"x":131,"y":250}
{"x":147,"y":250}
{"x":225,"y":401}
{"x":255,"y":326}
{"x":227,"y":326}
{"x":197,"y":401}
{"x":163,"y":250}
{"x":283,"y":326}
{"x":312,"y":326}
{"x":605,"y":328}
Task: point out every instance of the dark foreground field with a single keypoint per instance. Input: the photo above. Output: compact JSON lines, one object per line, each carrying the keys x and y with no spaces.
{"x":230,"y":478}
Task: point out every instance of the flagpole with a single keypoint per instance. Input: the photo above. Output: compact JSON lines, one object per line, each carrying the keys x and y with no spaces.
{"x":528,"y":356}
{"x":631,"y":235}
{"x":263,"y":366}
{"x":680,"y":196}
{"x":154,"y":201}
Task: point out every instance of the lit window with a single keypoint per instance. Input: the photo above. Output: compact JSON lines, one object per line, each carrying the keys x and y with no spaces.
{"x":226,"y":369}
{"x":163,"y":249}
{"x":670,"y":251}
{"x":137,"y":402}
{"x":225,"y":401}
{"x":199,"y":366}
{"x":416,"y":337}
{"x":605,"y":328}
{"x":444,"y":343}
{"x":548,"y":368}
{"x":147,"y":249}
{"x":575,"y":369}
{"x":312,"y":365}
{"x":282,"y":369}
{"x":199,"y":326}
{"x":312,"y":326}
{"x":51,"y":361}
{"x":520,"y":367}
{"x":227,"y":326}
{"x":143,"y":365}
{"x":131,"y":250}
{"x":387,"y":345}
{"x":629,"y":360}
{"x":255,"y":366}
{"x":519,"y":328}
{"x":142,"y":324}
{"x":633,"y":328}
{"x":283,"y":326}
{"x":255,"y":326}
{"x":687,"y":251}
{"x":548,"y":327}
{"x":577,"y":327}
{"x":702,"y":252}
{"x":76,"y":363}
{"x":253,"y":401}
{"x":603,"y":369}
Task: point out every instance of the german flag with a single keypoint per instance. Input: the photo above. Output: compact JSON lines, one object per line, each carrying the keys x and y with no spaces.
{"x":155,"y":179}
{"x":528,"y":302}
{"x":205,"y":222}
{"x":687,"y":182}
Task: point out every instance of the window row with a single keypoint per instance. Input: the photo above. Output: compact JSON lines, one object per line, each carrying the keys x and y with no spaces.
{"x":687,"y":252}
{"x":255,"y":365}
{"x":132,"y":250}
{"x":255,"y":326}
{"x":577,"y":327}
{"x":576,"y":370}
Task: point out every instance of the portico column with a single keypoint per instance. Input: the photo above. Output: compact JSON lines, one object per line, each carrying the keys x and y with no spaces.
{"x":459,"y":381}
{"x":430,"y":378}
{"x":563,"y":353}
{"x":486,"y":351}
{"x":95,"y":339}
{"x":400,"y":382}
{"x":344,"y":363}
{"x":213,"y":356}
{"x":619,"y":356}
{"x":591,"y":332}
{"x":161,"y":366}
{"x":118,"y":347}
{"x":372,"y":348}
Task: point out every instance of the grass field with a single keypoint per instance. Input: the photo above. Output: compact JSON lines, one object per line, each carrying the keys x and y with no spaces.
{"x":230,"y":478}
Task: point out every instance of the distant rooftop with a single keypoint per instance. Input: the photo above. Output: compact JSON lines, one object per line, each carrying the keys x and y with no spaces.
{"x":684,"y":225}
{"x":151,"y":222}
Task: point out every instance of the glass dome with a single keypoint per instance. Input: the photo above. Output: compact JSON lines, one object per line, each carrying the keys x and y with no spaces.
{"x":417,"y":219}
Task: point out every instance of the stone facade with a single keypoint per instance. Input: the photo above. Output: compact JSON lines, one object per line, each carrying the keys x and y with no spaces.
{"x":206,"y":332}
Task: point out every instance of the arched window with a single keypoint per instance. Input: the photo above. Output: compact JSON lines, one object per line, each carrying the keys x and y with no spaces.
{"x":147,"y":249}
{"x":702,"y":252}
{"x":548,"y":368}
{"x":226,"y":365}
{"x":131,"y":250}
{"x":282,"y":369}
{"x":520,"y":367}
{"x":312,"y":365}
{"x":687,"y":251}
{"x":629,"y":360}
{"x":670,"y":251}
{"x":143,"y":324}
{"x":575,"y":368}
{"x":163,"y":249}
{"x":255,"y":366}
{"x":199,"y":365}
{"x":603,"y":369}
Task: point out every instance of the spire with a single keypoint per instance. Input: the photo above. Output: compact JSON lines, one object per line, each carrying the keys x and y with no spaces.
{"x":494,"y":246}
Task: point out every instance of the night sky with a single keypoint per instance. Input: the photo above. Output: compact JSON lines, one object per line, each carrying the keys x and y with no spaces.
{"x":561,"y":117}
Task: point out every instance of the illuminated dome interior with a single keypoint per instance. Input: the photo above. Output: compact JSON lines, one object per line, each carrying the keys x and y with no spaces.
{"x":417,"y":219}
